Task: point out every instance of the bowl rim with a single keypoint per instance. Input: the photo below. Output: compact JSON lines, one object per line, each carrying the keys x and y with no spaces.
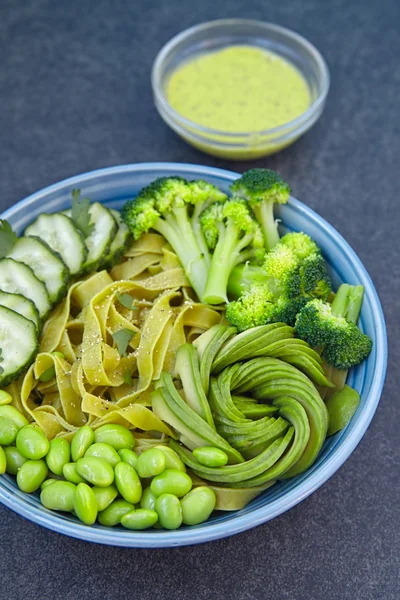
{"x":186,"y":123}
{"x":240,"y":523}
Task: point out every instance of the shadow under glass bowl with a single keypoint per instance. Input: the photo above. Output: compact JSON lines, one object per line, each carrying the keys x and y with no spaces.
{"x":113,"y":186}
{"x":215,"y":35}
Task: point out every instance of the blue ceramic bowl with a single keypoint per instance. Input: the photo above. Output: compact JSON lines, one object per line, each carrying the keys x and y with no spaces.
{"x":112,"y":187}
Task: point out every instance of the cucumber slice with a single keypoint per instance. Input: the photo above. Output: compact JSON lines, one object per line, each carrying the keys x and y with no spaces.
{"x":121,"y":241}
{"x":60,"y":233}
{"x":45,"y":263}
{"x":17,"y":278}
{"x":18,"y":343}
{"x":22,"y":306}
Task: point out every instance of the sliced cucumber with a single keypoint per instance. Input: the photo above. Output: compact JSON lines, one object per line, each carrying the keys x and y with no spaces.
{"x":60,"y":233}
{"x":121,"y":241}
{"x":17,"y":278}
{"x":18,"y":343}
{"x":22,"y":306}
{"x":98,"y":243}
{"x":45,"y":263}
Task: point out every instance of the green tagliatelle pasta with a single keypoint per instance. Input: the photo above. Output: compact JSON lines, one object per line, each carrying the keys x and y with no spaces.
{"x":94,"y":382}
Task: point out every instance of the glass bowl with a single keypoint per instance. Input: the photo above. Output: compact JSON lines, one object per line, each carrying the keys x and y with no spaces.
{"x":215,"y":35}
{"x":113,"y":186}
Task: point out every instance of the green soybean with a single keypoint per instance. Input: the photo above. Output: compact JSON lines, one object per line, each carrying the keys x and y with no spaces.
{"x":59,"y":496}
{"x":169,"y":511}
{"x":8,"y":431}
{"x":47,"y":375}
{"x":139,"y":519}
{"x":32,"y":442}
{"x":128,"y":483}
{"x":104,"y":496}
{"x":47,"y":482}
{"x":95,"y":470}
{"x":172,"y":460}
{"x":128,"y":456}
{"x":117,"y":436}
{"x":81,"y":441}
{"x":209,"y":456}
{"x":171,"y":481}
{"x":59,"y":454}
{"x":70,"y":472}
{"x":5,"y":398}
{"x":148,"y":499}
{"x":3,"y":461}
{"x":113,"y":514}
{"x":198,"y":505}
{"x":150,"y":463}
{"x":14,"y":458}
{"x":12,"y":414}
{"x":104,"y":451}
{"x":85,"y":504}
{"x":31,"y":475}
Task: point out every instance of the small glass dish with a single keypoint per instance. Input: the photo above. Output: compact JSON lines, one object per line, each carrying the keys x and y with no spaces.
{"x":215,"y":35}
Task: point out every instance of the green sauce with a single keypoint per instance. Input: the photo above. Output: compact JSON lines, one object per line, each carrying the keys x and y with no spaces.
{"x":238,"y":89}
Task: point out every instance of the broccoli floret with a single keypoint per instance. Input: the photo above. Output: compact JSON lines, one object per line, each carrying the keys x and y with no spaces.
{"x":263,"y":188}
{"x":300,"y":244}
{"x":171,"y":206}
{"x":332,"y":328}
{"x":233,"y":236}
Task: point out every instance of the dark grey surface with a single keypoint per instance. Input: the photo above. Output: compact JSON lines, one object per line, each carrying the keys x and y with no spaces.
{"x":75,"y":95}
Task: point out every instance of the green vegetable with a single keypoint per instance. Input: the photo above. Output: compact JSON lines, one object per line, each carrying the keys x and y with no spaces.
{"x":233,"y":236}
{"x":169,"y":511}
{"x":5,"y":397}
{"x":341,"y":408}
{"x":85,"y":504}
{"x":3,"y":461}
{"x":58,"y":455}
{"x":208,"y":345}
{"x":128,"y":483}
{"x":127,"y":301}
{"x":171,"y":482}
{"x":47,"y":375}
{"x":263,"y":188}
{"x":117,"y":436}
{"x":47,"y":482}
{"x":7,"y":238}
{"x":139,"y":519}
{"x":80,"y":213}
{"x":198,"y":505}
{"x":32,"y":442}
{"x":148,"y":499}
{"x":113,"y":514}
{"x":96,"y":471}
{"x":104,"y":496}
{"x":14,"y":458}
{"x":105,"y":451}
{"x":122,"y":339}
{"x":8,"y":431}
{"x":210,"y":456}
{"x":71,"y":474}
{"x":59,"y":496}
{"x":31,"y":475}
{"x":128,"y":456}
{"x":172,"y":460}
{"x":150,"y":463}
{"x":171,"y":206}
{"x":81,"y":441}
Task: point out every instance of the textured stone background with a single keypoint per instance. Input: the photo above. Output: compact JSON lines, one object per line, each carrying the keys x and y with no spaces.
{"x":75,"y":95}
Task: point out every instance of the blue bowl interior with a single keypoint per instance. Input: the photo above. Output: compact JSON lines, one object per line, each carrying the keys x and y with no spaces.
{"x":112,"y":187}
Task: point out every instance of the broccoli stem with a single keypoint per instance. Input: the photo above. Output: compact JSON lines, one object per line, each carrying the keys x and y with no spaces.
{"x":356,"y":295}
{"x":198,"y":232}
{"x":242,"y":277}
{"x":341,"y":300}
{"x":264,"y":213}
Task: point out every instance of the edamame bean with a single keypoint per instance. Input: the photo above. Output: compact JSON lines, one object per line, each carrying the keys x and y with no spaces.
{"x":104,"y":496}
{"x":95,"y":470}
{"x":198,"y":505}
{"x":148,"y":499}
{"x":104,"y":451}
{"x":85,"y":504}
{"x":47,"y":375}
{"x":59,"y":454}
{"x":117,"y":436}
{"x":5,"y":398}
{"x":8,"y":431}
{"x":113,"y":514}
{"x":31,"y":475}
{"x":128,"y":483}
{"x":169,"y":511}
{"x":172,"y":460}
{"x":3,"y":461}
{"x":171,"y":481}
{"x":139,"y":519}
{"x":210,"y":456}
{"x":15,"y":460}
{"x":12,"y":414}
{"x":47,"y":482}
{"x":150,"y":463}
{"x":59,"y":496}
{"x":32,"y":442}
{"x":70,"y":472}
{"x":128,"y":456}
{"x":81,"y":441}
